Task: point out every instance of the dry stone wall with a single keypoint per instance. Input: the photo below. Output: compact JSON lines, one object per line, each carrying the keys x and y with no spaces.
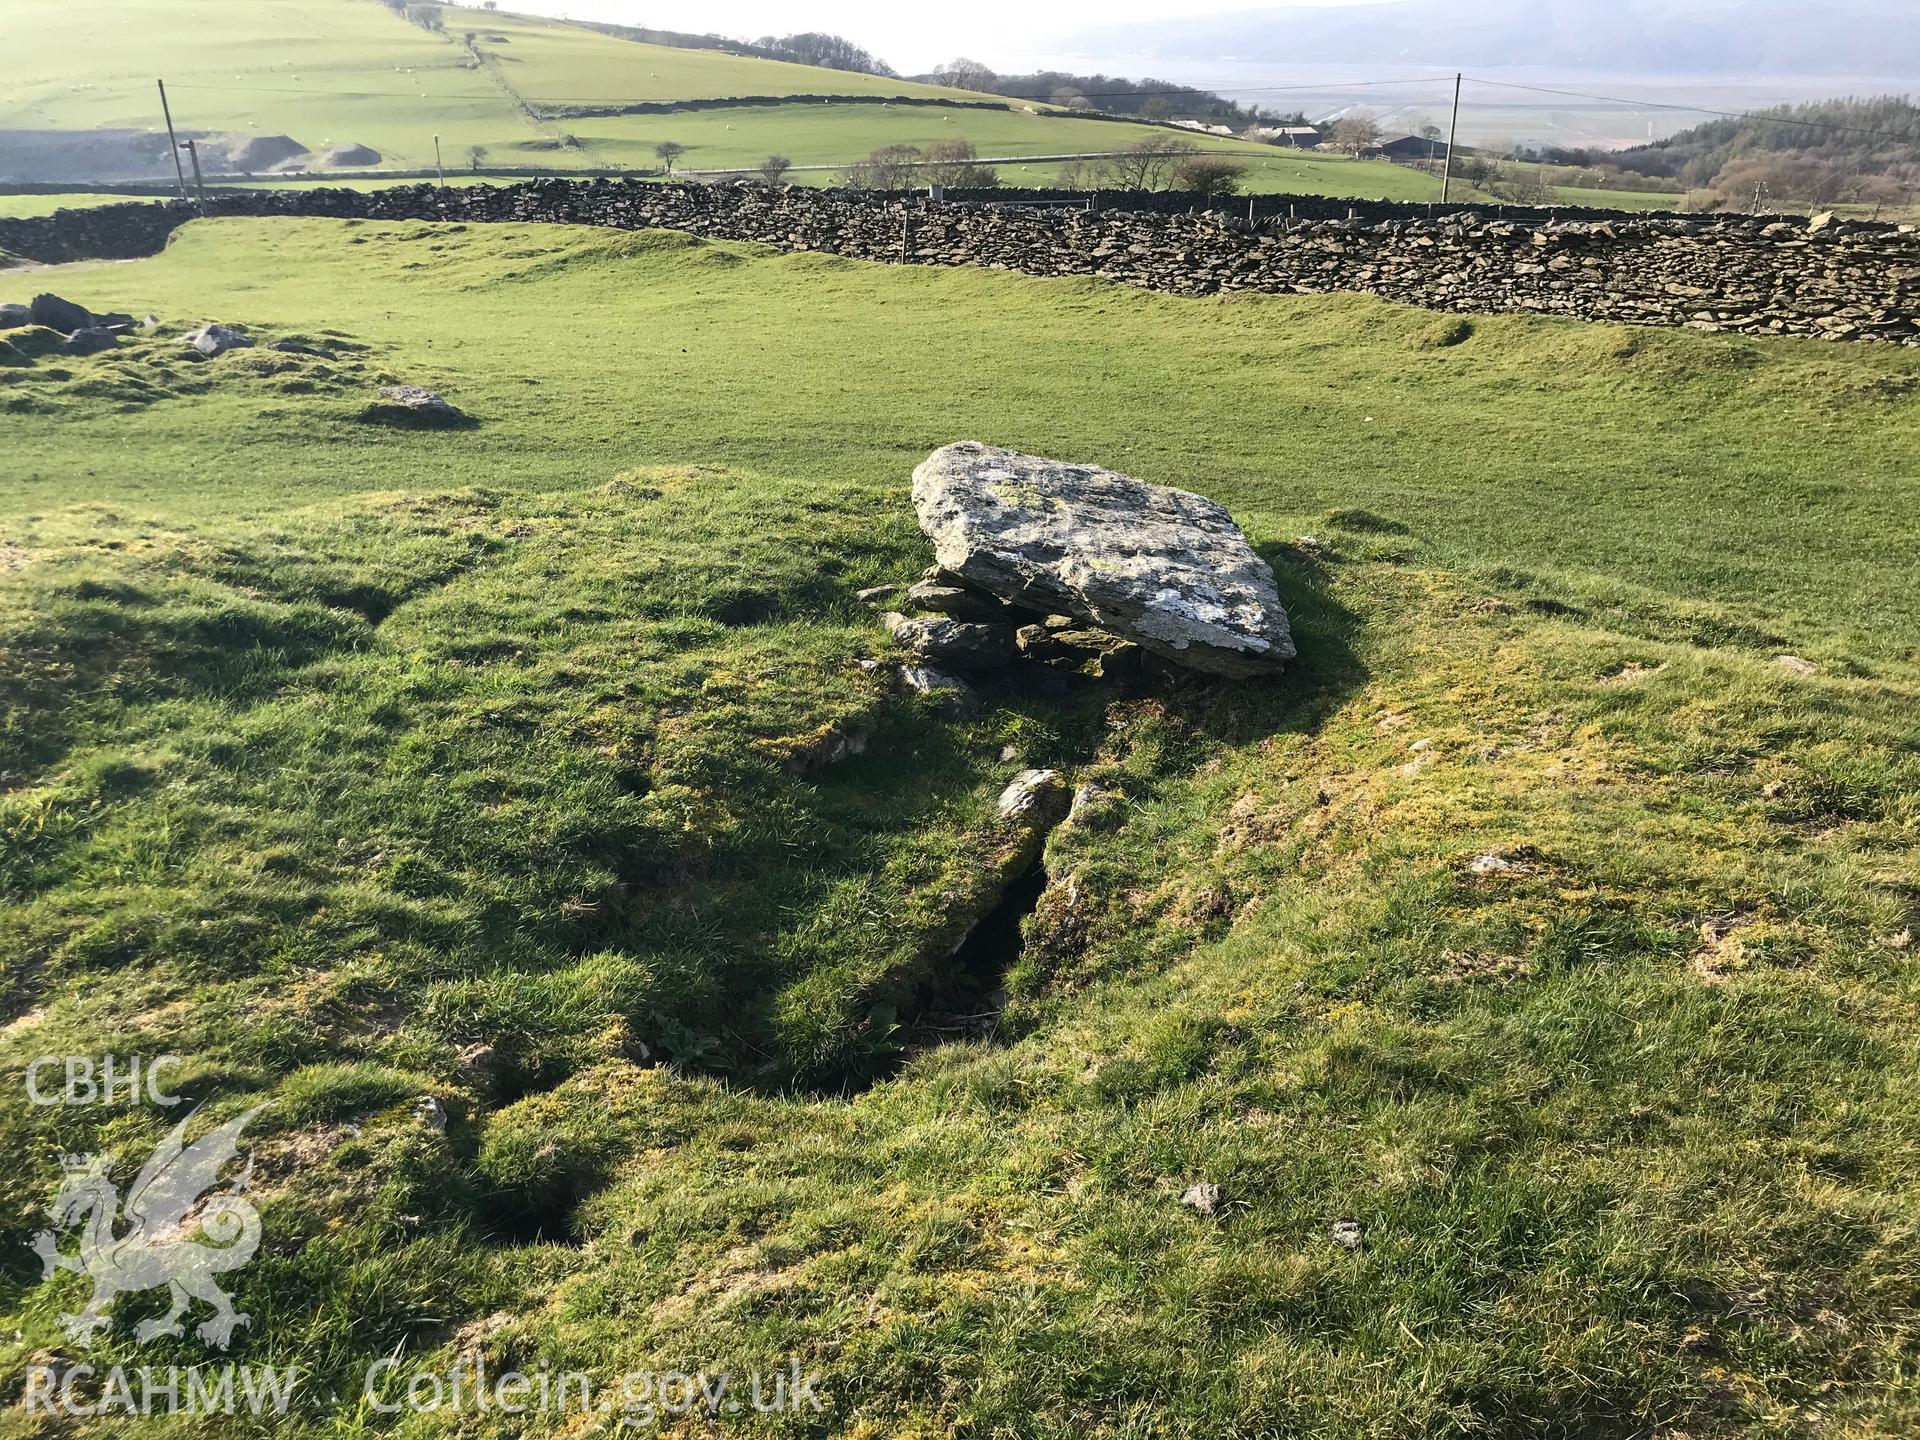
{"x":1841,"y":281}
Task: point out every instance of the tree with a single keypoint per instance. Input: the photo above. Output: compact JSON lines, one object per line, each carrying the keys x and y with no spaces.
{"x":477,"y":156}
{"x":669,"y":151}
{"x":1069,"y":98}
{"x":952,"y":163}
{"x":1356,"y":132}
{"x":1211,"y":175}
{"x":1477,"y":171}
{"x":891,"y":167}
{"x":829,"y":51}
{"x":773,"y":167}
{"x":965,"y":74}
{"x":1148,"y":165}
{"x":1157,"y":108}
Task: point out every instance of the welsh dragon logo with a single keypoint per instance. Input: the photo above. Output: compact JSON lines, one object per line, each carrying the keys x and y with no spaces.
{"x":171,"y":1199}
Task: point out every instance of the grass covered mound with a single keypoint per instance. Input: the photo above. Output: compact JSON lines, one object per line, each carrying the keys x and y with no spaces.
{"x":1542,"y":920}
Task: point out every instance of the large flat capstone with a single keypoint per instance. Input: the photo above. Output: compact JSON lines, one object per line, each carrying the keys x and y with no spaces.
{"x":1165,"y":568}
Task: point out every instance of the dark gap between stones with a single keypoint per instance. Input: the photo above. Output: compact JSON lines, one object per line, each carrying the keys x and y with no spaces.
{"x":963,"y":999}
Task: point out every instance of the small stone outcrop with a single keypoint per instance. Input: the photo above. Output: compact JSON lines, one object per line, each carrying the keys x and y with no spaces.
{"x":1164,"y":569}
{"x":214,"y":340}
{"x":58,"y":314}
{"x":956,"y":644}
{"x":414,"y":405}
{"x":13,"y":317}
{"x":89,"y":341}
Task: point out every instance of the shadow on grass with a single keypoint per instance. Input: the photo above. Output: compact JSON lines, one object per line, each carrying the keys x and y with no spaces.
{"x":944,"y":969}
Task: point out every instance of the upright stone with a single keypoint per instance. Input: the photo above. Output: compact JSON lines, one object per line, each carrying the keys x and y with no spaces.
{"x":1165,"y":568}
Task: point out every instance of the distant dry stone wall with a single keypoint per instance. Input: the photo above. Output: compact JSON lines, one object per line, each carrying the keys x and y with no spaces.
{"x":1843,"y":281}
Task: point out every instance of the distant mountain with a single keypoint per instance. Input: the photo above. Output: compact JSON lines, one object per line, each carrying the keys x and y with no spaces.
{"x":1646,"y":37}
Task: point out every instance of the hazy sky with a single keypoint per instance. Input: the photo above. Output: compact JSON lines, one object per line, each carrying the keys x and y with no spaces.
{"x":911,"y":36}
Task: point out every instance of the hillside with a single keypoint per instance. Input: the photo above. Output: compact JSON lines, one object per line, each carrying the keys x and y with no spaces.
{"x":523,"y":92}
{"x":1543,"y":932}
{"x":1853,"y":151}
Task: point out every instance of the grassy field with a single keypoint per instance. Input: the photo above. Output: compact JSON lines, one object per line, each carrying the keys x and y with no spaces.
{"x":359,"y":764}
{"x":332,"y":72}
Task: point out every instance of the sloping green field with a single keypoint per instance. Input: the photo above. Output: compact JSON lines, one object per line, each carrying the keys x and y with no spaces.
{"x":337,"y":72}
{"x":1541,"y":922}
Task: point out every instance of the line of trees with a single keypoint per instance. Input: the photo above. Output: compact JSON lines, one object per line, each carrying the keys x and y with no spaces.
{"x":1108,"y":94}
{"x":814,"y":47}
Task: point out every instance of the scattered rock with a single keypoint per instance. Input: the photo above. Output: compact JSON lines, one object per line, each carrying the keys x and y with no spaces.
{"x":89,"y":341}
{"x":115,"y":320}
{"x":57,"y":314}
{"x":1494,"y":865}
{"x":1036,"y":642}
{"x":1089,"y":800}
{"x":957,"y":602}
{"x":957,"y":644}
{"x":1203,"y":1197}
{"x":1349,"y":1234}
{"x":295,"y":346}
{"x":431,"y":1113}
{"x":1164,"y":568}
{"x":877,"y":595}
{"x":1795,"y":665}
{"x":955,"y":695}
{"x":828,"y":745}
{"x":211,"y":340}
{"x":1031,"y":792}
{"x":12,"y":316}
{"x":413,"y":405}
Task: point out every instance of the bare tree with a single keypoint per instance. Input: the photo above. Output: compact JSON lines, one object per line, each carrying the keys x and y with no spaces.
{"x":1356,"y":132}
{"x":965,"y":74}
{"x":1149,"y":165}
{"x":952,"y":162}
{"x":1211,"y":175}
{"x":669,"y":151}
{"x":891,"y":167}
{"x":477,"y":156}
{"x":773,"y":168}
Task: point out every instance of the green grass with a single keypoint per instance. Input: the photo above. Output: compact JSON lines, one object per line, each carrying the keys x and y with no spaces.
{"x":829,"y":135}
{"x":20,"y":207}
{"x":331,"y":72}
{"x":335,"y":753}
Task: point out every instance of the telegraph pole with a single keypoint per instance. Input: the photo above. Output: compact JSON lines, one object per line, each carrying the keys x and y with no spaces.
{"x":1453,"y":134}
{"x":179,"y":175}
{"x":199,"y":187}
{"x":439,"y":174}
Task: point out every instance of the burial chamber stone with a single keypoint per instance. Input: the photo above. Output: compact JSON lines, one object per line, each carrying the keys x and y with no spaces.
{"x":1164,"y":568}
